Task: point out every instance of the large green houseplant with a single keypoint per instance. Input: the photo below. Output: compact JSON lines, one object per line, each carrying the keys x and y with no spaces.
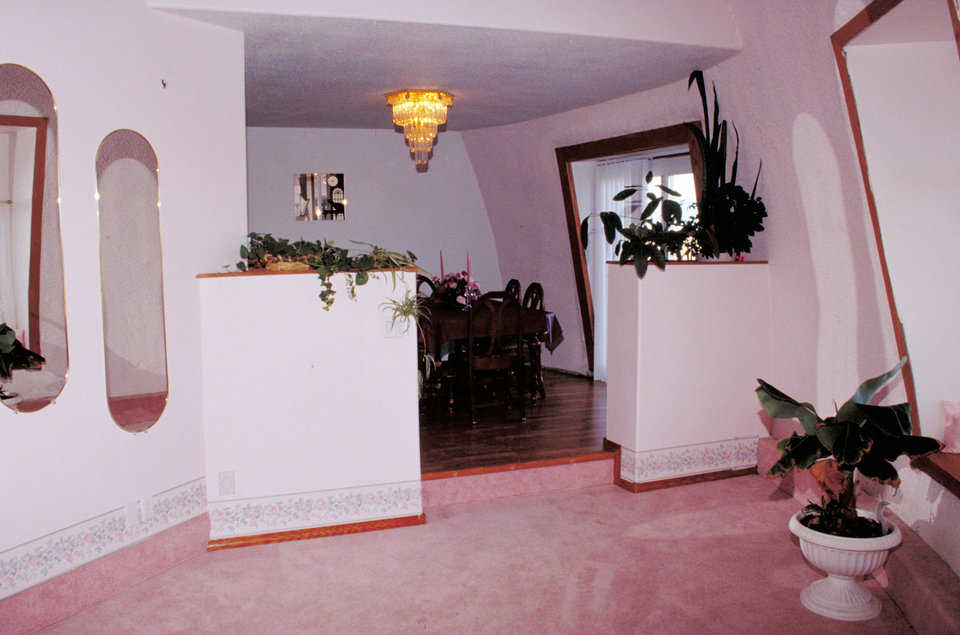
{"x":860,"y":437}
{"x":727,"y":216}
{"x":834,"y":535}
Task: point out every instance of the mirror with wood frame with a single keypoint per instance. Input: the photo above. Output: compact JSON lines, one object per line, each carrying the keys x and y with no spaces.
{"x":131,"y":275}
{"x":31,"y":259}
{"x":899,"y":62}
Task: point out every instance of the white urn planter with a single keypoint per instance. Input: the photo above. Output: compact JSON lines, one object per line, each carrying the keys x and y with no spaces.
{"x":840,"y":596}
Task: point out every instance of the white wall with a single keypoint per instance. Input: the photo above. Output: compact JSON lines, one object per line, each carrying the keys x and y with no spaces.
{"x":686,"y":347}
{"x":390,"y":204}
{"x":69,"y":468}
{"x":320,"y":407}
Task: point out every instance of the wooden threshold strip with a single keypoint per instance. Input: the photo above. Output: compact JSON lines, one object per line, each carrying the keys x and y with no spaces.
{"x":526,"y":465}
{"x":636,"y":488}
{"x":315,"y":532}
{"x":943,"y":468}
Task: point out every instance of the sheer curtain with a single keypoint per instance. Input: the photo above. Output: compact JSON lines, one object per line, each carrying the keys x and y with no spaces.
{"x":610,"y":178}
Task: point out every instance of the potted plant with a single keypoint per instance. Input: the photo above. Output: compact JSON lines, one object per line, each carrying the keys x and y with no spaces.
{"x":836,"y":536}
{"x":14,"y":356}
{"x":727,"y":216}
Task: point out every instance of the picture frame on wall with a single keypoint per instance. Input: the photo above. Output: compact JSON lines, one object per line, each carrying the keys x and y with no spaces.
{"x":319,"y":196}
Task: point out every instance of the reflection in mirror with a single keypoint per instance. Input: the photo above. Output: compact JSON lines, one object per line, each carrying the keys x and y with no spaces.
{"x":131,"y":277}
{"x":591,"y":174}
{"x":904,"y":71}
{"x":31,"y":260}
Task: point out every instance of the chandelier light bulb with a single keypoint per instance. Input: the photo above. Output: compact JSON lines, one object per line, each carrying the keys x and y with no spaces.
{"x":420,"y":113}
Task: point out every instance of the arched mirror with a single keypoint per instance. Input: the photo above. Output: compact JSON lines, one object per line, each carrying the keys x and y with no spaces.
{"x":590,"y":174}
{"x":31,"y":259}
{"x":900,"y":67}
{"x":131,"y":275}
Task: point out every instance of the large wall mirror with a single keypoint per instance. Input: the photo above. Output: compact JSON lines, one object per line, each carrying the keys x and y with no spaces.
{"x":591,"y":174}
{"x":31,"y":259}
{"x":900,"y":64}
{"x":131,"y":275}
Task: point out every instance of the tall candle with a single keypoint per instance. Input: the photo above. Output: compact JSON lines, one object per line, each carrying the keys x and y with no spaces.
{"x":441,"y":264}
{"x":468,"y":265}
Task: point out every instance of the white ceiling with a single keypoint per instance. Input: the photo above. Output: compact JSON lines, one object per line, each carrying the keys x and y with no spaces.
{"x":323,"y":72}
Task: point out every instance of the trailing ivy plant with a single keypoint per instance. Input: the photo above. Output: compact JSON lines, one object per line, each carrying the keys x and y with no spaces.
{"x":326,"y":259}
{"x":726,"y":215}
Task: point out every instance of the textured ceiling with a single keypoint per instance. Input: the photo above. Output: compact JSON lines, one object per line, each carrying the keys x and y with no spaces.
{"x":333,"y":72}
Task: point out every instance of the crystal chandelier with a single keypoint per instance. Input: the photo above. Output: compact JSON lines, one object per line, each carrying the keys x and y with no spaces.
{"x":419,"y":112}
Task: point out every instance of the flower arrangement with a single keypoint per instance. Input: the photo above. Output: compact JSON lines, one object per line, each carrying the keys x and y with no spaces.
{"x":456,"y":289}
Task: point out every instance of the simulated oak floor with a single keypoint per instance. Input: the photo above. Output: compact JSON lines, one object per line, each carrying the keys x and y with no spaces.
{"x":571,"y":421}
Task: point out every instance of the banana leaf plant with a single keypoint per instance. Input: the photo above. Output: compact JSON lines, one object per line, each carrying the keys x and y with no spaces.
{"x":14,"y":356}
{"x":860,"y":437}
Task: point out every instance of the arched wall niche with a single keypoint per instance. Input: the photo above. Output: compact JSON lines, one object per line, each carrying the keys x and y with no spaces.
{"x":31,"y":257}
{"x":131,"y":274}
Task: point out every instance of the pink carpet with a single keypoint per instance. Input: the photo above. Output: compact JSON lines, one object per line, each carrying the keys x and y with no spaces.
{"x":706,"y":558}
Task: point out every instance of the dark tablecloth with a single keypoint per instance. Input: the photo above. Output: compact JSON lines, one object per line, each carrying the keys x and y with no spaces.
{"x":447,"y":324}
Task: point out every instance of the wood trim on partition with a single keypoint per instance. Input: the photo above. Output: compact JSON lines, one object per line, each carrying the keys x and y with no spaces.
{"x":943,"y":468}
{"x":264,"y":272}
{"x":859,"y":23}
{"x":526,"y":465}
{"x":315,"y":532}
{"x":635,"y":142}
{"x":636,"y":488}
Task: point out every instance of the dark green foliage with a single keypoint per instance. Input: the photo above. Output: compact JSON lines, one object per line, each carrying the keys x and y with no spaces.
{"x":727,"y":216}
{"x":860,"y":437}
{"x":325,"y":258}
{"x":14,"y":356}
{"x":829,"y":517}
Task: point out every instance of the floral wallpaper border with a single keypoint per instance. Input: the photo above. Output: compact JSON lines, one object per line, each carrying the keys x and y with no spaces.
{"x":655,"y":465}
{"x":39,"y":560}
{"x":249,"y":516}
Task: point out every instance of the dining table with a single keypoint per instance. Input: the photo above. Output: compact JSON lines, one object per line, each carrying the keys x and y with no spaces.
{"x":445,"y":324}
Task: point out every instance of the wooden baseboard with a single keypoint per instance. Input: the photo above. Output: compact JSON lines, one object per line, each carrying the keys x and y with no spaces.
{"x":682,"y":480}
{"x":315,"y":532}
{"x":526,"y":465}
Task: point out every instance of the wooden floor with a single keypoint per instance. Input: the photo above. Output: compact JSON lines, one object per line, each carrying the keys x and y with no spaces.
{"x":571,"y":421}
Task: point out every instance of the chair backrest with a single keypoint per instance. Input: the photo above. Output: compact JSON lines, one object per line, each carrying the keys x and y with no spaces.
{"x":494,"y":325}
{"x":533,"y":296}
{"x":424,"y":281}
{"x":513,"y":289}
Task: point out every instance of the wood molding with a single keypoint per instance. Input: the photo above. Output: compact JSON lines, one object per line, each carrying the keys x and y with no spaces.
{"x":677,"y":134}
{"x":527,"y":465}
{"x":943,"y":468}
{"x":954,"y":9}
{"x":315,"y":532}
{"x":636,"y":488}
{"x":859,"y":23}
{"x":264,"y":272}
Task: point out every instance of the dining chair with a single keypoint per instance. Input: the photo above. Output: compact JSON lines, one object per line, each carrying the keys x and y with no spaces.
{"x":513,"y":289}
{"x":533,"y":299}
{"x":424,"y":281}
{"x":495,"y":352}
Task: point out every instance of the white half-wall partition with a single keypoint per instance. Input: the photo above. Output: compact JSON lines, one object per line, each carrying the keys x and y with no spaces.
{"x":686,"y":347}
{"x":388,"y":202}
{"x":310,"y":417}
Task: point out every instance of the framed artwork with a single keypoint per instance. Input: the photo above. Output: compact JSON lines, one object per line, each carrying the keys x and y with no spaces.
{"x":319,"y":196}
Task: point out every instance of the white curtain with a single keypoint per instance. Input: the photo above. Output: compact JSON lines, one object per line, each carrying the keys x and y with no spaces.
{"x":16,"y":191}
{"x":611,"y":177}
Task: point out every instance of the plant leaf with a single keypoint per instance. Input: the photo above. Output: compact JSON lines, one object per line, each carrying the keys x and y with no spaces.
{"x":781,"y":406}
{"x":649,"y":177}
{"x":584,"y":232}
{"x":623,"y":194}
{"x":672,"y":212}
{"x":611,"y":224}
{"x":797,"y":451}
{"x":666,"y":189}
{"x":869,"y":388}
{"x":650,"y":208}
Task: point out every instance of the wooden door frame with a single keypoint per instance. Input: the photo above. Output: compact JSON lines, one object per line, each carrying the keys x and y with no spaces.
{"x":678,"y":134}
